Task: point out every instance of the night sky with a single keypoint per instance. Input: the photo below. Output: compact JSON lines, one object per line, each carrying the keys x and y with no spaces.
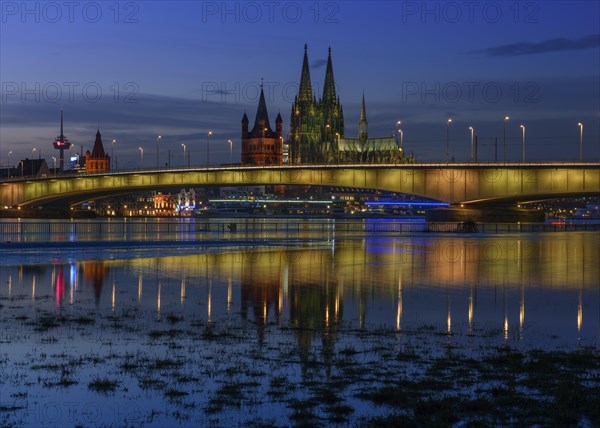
{"x":180,"y":69}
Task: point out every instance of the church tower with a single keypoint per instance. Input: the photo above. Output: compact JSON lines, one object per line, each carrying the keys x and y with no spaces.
{"x":305,"y":121}
{"x":262,"y":145}
{"x":332,"y":116}
{"x":98,"y":161}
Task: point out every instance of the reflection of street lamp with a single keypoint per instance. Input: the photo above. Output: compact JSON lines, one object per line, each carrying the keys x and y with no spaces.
{"x":523,"y":146}
{"x":505,"y":120}
{"x":208,"y":147}
{"x":580,"y":124}
{"x":141,"y":156}
{"x":472,"y":131}
{"x":448,"y":122}
{"x":230,"y":151}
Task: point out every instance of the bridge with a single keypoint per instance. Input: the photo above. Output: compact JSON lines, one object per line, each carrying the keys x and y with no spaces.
{"x":455,"y":183}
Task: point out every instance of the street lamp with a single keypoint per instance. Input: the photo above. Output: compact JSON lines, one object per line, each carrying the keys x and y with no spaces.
{"x":183,"y":146}
{"x":9,"y":156}
{"x":580,"y":124}
{"x":54,"y":165}
{"x":472,"y":131}
{"x":230,"y":151}
{"x":208,"y":147}
{"x":141,"y":156}
{"x":112,"y":151}
{"x":505,"y":120}
{"x":523,"y":145}
{"x":401,"y":140}
{"x":158,"y":137}
{"x":32,"y":152}
{"x":448,"y":122}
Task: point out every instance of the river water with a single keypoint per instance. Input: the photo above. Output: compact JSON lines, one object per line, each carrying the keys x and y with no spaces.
{"x":211,"y":303}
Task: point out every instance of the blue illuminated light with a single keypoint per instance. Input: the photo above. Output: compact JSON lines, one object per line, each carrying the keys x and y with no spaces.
{"x":422,"y":204}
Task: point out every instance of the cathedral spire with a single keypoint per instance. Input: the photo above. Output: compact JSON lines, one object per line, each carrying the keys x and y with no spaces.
{"x":363,"y":124}
{"x":363,"y":110}
{"x":305,"y":90}
{"x":329,"y":96}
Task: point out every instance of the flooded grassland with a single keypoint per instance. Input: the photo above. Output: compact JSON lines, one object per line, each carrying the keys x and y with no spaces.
{"x":418,"y":329}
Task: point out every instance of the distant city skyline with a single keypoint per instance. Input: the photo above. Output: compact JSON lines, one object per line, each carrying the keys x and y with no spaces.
{"x":136,"y":70}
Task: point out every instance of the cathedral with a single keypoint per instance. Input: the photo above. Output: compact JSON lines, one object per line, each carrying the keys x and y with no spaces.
{"x":317,"y":128}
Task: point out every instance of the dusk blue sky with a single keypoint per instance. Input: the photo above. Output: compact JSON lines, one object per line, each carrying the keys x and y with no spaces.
{"x":182,"y":68}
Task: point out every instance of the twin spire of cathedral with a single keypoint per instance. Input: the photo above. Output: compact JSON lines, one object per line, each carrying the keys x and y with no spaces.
{"x":305,"y":92}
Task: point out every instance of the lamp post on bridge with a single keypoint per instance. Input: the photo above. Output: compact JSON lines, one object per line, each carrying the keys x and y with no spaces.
{"x":523,"y":144}
{"x":230,"y":151}
{"x":158,"y":137}
{"x":448,"y":122}
{"x":141,"y":157}
{"x":472,"y":151}
{"x":208,"y":147}
{"x":183,"y":146}
{"x":580,"y":124}
{"x":32,"y":153}
{"x":506,"y":118}
{"x":112,"y":152}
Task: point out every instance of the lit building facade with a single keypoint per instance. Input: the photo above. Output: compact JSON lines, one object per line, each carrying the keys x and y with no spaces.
{"x":317,"y":128}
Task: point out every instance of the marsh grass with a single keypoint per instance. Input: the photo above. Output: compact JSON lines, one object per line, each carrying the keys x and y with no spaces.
{"x":224,"y":371}
{"x":103,"y":385}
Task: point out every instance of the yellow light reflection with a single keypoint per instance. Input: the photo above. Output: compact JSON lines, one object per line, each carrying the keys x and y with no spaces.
{"x":265,"y":311}
{"x":209,"y":303}
{"x":470,"y":312}
{"x":579,"y":313}
{"x":505,"y":327}
{"x":140,"y":281}
{"x":33,"y":288}
{"x":9,"y":286}
{"x":113,"y":296}
{"x":229,"y":294}
{"x":399,"y":308}
{"x":182,"y":292}
{"x":158,"y":301}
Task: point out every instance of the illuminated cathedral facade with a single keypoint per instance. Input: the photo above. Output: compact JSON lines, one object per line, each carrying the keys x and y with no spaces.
{"x":317,"y":128}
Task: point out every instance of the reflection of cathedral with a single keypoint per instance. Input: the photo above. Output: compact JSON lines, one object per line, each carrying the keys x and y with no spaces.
{"x":317,"y":128}
{"x":95,"y":272}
